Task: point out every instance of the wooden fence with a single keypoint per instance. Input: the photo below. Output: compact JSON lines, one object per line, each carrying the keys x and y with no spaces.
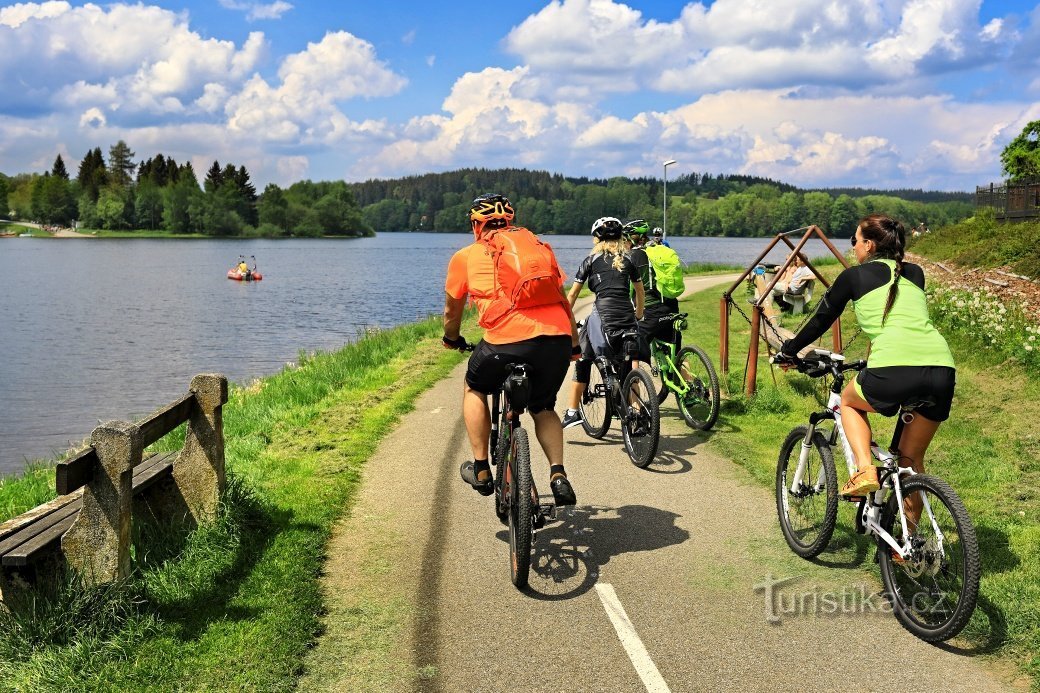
{"x":101,"y":489}
{"x":1010,"y":200}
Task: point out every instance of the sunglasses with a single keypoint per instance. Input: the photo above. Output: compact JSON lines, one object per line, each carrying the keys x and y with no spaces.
{"x":854,"y":241}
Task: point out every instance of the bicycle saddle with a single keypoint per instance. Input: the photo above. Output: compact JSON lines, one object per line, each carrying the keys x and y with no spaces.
{"x":518,"y":388}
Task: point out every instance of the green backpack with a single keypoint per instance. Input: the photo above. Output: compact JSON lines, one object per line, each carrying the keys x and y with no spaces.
{"x":668,"y":269}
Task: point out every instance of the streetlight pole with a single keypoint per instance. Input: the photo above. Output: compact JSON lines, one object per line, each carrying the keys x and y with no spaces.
{"x":664,"y":203}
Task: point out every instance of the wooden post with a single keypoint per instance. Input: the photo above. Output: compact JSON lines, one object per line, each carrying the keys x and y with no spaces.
{"x":199,"y":471}
{"x":724,"y":334}
{"x":752,"y":371}
{"x":97,"y":545}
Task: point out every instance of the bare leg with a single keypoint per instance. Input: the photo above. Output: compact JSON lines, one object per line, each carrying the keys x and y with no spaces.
{"x":549,"y":431}
{"x":917,"y":435}
{"x":577,"y":390}
{"x":854,"y":420}
{"x":477,"y":415}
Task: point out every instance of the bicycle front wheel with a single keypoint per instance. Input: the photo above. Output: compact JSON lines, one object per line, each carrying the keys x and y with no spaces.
{"x":595,"y":404}
{"x":521,"y":526}
{"x":699,"y":405}
{"x":809,"y":511}
{"x":935,"y":589}
{"x":641,"y":427}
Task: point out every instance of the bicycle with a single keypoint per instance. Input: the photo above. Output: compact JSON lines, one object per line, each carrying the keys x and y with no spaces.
{"x":516,"y":496}
{"x":689,"y":373}
{"x":634,"y":402}
{"x":931,"y":575}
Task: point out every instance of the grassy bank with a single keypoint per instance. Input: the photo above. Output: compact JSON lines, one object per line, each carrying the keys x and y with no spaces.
{"x":982,"y":241}
{"x":237,"y":604}
{"x":989,"y":451}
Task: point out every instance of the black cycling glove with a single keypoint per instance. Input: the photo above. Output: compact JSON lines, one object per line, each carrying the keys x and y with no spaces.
{"x":459,"y":344}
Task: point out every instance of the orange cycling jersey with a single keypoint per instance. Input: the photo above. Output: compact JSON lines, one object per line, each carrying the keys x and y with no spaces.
{"x":472,"y":271}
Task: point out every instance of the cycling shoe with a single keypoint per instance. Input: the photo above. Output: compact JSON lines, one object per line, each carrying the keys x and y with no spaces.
{"x":469,"y":475}
{"x":563,"y":492}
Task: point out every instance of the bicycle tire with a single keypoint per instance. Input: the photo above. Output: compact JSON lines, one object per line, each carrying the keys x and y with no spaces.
{"x":595,"y":413}
{"x":826,"y":516}
{"x":660,"y":365}
{"x":501,"y":460}
{"x":641,"y":448}
{"x":899,"y":576}
{"x":521,"y":526}
{"x":700,"y":406}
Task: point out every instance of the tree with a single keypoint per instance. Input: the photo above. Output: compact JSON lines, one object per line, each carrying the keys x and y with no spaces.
{"x":178,"y":200}
{"x":58,"y":169}
{"x":148,"y":205}
{"x":273,"y":208}
{"x":1020,"y":160}
{"x":844,"y":215}
{"x":92,"y":175}
{"x":818,"y":209}
{"x":111,"y":209}
{"x":3,"y":196}
{"x":214,"y":178}
{"x":120,"y":164}
{"x":789,"y":212}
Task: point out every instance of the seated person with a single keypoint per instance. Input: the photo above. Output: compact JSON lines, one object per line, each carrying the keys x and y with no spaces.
{"x":793,"y":281}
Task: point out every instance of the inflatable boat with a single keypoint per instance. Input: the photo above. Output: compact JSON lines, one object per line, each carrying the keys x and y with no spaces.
{"x":233,"y":273}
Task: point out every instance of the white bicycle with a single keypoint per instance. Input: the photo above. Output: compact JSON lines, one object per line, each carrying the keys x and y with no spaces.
{"x":931,"y":572}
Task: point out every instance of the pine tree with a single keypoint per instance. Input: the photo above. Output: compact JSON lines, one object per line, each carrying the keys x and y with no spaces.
{"x":59,"y":168}
{"x":120,"y":164}
{"x":214,"y":178}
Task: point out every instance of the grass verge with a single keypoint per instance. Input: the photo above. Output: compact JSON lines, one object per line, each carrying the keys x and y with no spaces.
{"x":237,"y":603}
{"x":982,"y":241}
{"x":989,"y":451}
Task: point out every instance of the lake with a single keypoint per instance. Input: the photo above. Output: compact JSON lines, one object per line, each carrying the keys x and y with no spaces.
{"x":100,"y":329}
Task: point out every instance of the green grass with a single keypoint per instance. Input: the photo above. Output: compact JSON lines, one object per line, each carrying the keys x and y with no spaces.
{"x":15,"y":227}
{"x":989,"y":451}
{"x":982,"y":241}
{"x":237,"y":603}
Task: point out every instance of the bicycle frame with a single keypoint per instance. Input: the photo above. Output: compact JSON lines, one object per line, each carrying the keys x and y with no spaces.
{"x":889,"y":475}
{"x":664,"y":354}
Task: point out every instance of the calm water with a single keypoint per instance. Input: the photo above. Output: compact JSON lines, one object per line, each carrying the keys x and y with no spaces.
{"x":92,"y":330}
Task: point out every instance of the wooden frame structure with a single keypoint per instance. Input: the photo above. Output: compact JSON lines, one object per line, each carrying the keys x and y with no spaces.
{"x":758,"y":311}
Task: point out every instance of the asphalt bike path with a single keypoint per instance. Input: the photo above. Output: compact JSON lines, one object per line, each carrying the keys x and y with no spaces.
{"x":657,"y":580}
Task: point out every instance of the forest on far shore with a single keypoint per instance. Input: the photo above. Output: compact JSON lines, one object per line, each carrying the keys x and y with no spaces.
{"x":160,"y":194}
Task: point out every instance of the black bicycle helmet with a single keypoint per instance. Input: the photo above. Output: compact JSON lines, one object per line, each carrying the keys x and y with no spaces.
{"x":607,"y":229}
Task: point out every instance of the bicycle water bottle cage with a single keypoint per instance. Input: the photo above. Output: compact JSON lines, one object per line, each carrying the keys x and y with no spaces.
{"x":518,"y":388}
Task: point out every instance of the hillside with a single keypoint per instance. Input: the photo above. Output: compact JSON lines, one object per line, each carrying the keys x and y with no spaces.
{"x":982,"y":241}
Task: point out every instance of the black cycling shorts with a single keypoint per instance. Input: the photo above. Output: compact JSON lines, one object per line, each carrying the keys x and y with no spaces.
{"x":652,"y":327}
{"x":547,"y":360}
{"x":886,"y":389}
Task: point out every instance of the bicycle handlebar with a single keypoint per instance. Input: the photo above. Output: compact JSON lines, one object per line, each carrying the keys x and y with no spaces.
{"x":819,"y":363}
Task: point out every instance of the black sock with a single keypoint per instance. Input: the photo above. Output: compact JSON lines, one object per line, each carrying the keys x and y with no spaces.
{"x":556,"y":469}
{"x":481,"y":466}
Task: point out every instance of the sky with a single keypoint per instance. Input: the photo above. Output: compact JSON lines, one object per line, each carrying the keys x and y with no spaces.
{"x":868,"y":93}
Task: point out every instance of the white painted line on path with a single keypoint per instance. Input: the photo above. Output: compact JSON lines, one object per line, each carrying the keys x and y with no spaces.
{"x":630,"y":640}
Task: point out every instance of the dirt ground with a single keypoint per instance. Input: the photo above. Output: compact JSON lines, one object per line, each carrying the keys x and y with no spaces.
{"x":1000,"y":281}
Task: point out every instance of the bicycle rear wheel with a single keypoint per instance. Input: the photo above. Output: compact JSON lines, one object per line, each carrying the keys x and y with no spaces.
{"x":808,"y":513}
{"x":935,"y":589}
{"x":521,"y":527}
{"x":699,"y":406}
{"x":501,"y":457}
{"x":641,"y":428}
{"x":595,"y":404}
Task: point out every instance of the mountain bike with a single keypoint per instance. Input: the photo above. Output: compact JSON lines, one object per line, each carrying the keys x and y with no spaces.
{"x":689,"y":374}
{"x":516,"y":497}
{"x":633,"y":401}
{"x":931,"y":574}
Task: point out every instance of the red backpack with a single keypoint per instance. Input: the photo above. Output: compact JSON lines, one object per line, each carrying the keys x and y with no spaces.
{"x":526,"y":273}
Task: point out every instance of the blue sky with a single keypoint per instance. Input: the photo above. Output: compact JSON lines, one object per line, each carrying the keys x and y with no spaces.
{"x":880,"y":93}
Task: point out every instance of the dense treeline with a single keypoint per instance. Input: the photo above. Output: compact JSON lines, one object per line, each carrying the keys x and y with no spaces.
{"x":158,"y":193}
{"x":698,"y":204}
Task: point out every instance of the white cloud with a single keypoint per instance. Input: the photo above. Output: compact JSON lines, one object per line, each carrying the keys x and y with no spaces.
{"x":258,"y":10}
{"x":92,"y":118}
{"x":303,"y":107}
{"x":409,"y":38}
{"x":130,"y":58}
{"x":430,"y":60}
{"x":593,"y":47}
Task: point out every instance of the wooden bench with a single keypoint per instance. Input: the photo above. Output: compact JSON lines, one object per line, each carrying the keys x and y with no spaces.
{"x":90,"y":519}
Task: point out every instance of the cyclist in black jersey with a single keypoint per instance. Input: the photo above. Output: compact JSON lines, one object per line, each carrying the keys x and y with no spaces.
{"x":908,"y":358}
{"x":611,"y":275}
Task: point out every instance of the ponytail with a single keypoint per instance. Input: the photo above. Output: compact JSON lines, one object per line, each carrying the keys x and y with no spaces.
{"x":889,"y":237}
